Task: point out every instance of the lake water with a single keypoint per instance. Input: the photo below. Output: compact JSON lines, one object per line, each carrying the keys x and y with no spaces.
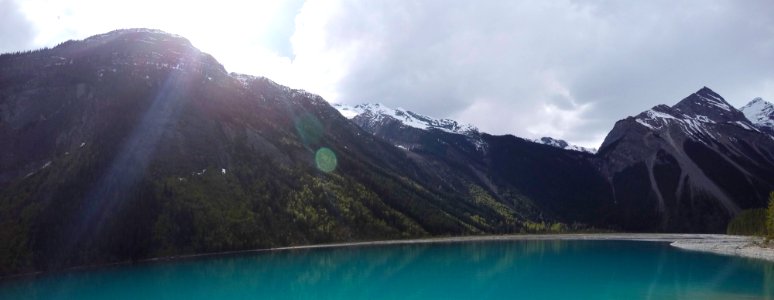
{"x":467,"y":270}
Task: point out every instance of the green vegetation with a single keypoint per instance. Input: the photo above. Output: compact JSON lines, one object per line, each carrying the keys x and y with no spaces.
{"x":754,"y":222}
{"x":748,"y":222}
{"x":482,"y":198}
{"x":179,"y":208}
{"x":770,"y":217}
{"x":543,"y":227}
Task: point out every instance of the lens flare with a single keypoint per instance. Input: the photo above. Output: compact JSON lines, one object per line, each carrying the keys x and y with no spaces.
{"x":309,"y":129}
{"x":325,"y":160}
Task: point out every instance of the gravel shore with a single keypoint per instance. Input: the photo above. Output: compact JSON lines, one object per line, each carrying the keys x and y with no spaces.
{"x":743,"y":246}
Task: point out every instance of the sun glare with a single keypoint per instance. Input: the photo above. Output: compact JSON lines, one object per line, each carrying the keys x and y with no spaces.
{"x":222,"y":28}
{"x":283,"y":40}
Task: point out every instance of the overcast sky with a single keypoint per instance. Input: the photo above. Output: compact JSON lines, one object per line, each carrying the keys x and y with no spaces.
{"x":567,"y":69}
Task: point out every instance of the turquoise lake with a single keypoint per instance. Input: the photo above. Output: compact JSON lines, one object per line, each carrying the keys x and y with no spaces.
{"x":465,"y":270}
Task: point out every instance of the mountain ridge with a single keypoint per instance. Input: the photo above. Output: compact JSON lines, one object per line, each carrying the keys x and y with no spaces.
{"x":408,"y":118}
{"x":374,"y":113}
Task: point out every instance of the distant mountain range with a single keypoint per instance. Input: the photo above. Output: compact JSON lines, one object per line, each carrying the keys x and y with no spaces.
{"x":134,"y":144}
{"x":372,"y":115}
{"x":666,"y":168}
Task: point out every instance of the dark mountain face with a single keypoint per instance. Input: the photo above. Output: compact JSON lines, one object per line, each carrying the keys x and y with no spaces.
{"x":134,"y":144}
{"x":512,"y":170}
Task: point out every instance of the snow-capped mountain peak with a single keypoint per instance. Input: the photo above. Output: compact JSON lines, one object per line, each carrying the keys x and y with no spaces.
{"x":377,"y":112}
{"x":697,"y":115}
{"x":709,"y":96}
{"x":706,"y":105}
{"x":761,"y":113}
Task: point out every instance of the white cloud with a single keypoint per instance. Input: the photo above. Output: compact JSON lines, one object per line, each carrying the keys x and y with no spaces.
{"x":564,"y":68}
{"x":15,"y":30}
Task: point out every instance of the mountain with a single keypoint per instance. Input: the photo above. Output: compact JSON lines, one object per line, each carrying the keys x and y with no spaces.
{"x":687,"y":167}
{"x":761,"y":113}
{"x":134,"y":144}
{"x":512,"y":170}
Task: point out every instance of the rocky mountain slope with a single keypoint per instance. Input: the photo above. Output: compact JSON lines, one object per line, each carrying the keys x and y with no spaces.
{"x":690,"y":166}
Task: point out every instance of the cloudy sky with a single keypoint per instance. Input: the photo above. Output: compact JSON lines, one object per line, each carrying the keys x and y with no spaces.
{"x":567,"y":69}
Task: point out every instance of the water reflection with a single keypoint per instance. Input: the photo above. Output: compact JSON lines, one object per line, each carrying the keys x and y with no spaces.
{"x":482,"y":270}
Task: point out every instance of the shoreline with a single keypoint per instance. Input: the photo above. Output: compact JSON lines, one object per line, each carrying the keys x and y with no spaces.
{"x":721,"y":244}
{"x":730,"y":245}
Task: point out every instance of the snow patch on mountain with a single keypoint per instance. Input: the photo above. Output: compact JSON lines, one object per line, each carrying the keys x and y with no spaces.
{"x":562,"y":144}
{"x":378,"y":112}
{"x":760,"y":112}
{"x":658,"y":117}
{"x":714,"y":100}
{"x":347,"y":111}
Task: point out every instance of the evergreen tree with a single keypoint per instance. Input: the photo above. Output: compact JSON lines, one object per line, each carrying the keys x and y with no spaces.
{"x":770,"y":217}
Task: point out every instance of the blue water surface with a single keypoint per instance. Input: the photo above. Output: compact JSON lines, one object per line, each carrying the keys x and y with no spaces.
{"x":465,"y":270}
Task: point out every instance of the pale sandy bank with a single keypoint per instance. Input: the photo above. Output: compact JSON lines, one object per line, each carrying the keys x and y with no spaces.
{"x":743,"y":246}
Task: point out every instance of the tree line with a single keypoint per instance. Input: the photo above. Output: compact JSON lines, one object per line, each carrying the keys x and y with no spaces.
{"x":754,"y":222}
